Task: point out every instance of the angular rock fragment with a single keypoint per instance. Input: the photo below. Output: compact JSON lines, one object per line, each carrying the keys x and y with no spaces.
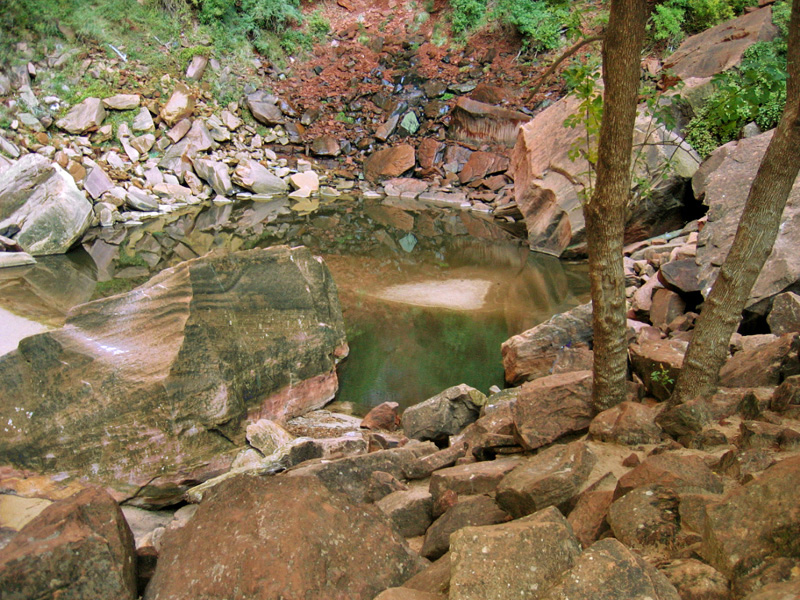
{"x":41,"y":201}
{"x":443,"y":415}
{"x":86,"y":116}
{"x":519,"y":559}
{"x":179,"y":106}
{"x":550,"y":407}
{"x":550,"y":478}
{"x":255,"y":177}
{"x":289,"y":537}
{"x":471,"y":511}
{"x":80,"y":547}
{"x":389,"y":162}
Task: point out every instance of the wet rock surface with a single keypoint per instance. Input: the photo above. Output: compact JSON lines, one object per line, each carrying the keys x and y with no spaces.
{"x":188,"y":377}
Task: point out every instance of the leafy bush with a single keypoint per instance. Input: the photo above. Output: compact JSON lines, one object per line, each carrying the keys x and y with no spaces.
{"x":674,"y":19}
{"x":754,"y":91}
{"x":781,"y":11}
{"x":466,"y":14}
{"x":667,"y":23}
{"x":318,"y":25}
{"x":540,"y":23}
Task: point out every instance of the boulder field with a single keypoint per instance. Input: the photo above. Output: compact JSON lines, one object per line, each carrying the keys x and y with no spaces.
{"x":528,"y":492}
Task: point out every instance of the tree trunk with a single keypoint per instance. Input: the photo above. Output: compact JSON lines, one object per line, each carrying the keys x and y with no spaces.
{"x":605,"y":212}
{"x":755,"y":236}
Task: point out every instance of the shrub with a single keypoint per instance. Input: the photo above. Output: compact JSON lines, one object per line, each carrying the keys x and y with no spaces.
{"x":318,"y":25}
{"x":667,"y":23}
{"x":754,"y":91}
{"x":539,"y":23}
{"x":466,"y":14}
{"x":673,"y":19}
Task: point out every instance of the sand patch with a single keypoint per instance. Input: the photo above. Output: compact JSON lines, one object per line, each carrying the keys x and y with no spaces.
{"x":455,"y":294}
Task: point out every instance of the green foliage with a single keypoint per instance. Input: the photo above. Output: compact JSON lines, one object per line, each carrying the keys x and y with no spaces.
{"x":662,"y":376}
{"x":318,"y":25}
{"x":581,"y":79}
{"x":754,"y":91}
{"x":781,"y":11}
{"x":540,"y":23}
{"x":467,"y":14}
{"x":667,"y":23}
{"x":341,"y":116}
{"x":674,"y":19}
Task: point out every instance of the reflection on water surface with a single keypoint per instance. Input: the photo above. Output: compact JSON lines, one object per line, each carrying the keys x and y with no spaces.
{"x":417,"y":322}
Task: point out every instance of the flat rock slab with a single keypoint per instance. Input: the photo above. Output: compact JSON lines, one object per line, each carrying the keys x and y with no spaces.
{"x":156,"y":386}
{"x":86,"y":116}
{"x":281,"y":537}
{"x":720,"y":48}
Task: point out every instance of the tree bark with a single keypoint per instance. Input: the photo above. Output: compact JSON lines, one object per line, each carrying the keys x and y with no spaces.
{"x":755,"y":236}
{"x":605,"y":212}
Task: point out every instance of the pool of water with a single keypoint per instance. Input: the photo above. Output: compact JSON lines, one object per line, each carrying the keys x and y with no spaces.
{"x":416,"y":322}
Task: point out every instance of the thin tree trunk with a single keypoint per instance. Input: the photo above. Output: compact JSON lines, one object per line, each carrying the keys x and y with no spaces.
{"x":606,"y":210}
{"x":755,"y":236}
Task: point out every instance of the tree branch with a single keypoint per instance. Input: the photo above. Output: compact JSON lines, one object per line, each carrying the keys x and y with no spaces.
{"x":552,"y":68}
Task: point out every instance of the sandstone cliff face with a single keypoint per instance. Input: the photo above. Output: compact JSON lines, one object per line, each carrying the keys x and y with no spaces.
{"x":155,"y":387}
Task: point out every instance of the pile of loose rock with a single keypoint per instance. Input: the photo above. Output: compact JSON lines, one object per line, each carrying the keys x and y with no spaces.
{"x":529,"y":492}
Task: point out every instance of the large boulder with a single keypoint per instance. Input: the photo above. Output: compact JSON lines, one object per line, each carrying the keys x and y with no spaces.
{"x":726,"y":191}
{"x":534,"y":352}
{"x":765,"y":365}
{"x":77,"y":548}
{"x":553,"y":406}
{"x":281,"y":537}
{"x":721,"y":47}
{"x":519,"y":559}
{"x":41,"y":200}
{"x":551,"y":478}
{"x":352,"y":475}
{"x":472,"y":478}
{"x":443,"y":415}
{"x":548,"y":185}
{"x":754,"y":528}
{"x":156,"y":386}
{"x":478,"y":122}
{"x":609,"y":570}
